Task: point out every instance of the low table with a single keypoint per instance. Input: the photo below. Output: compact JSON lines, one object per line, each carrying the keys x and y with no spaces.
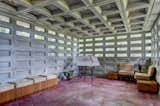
{"x":112,"y":75}
{"x":147,"y":86}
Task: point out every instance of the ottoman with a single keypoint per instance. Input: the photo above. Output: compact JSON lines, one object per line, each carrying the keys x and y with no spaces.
{"x":147,"y":86}
{"x":112,"y":75}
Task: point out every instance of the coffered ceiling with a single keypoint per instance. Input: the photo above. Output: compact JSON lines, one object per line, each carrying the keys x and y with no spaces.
{"x":87,"y":17}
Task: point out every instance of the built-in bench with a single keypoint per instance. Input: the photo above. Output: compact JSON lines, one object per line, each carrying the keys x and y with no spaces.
{"x":7,"y":92}
{"x":27,"y":86}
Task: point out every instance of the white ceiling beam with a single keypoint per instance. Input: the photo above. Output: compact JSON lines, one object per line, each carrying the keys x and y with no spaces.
{"x":122,"y":5}
{"x":150,"y":12}
{"x":135,"y":6}
{"x":110,"y":12}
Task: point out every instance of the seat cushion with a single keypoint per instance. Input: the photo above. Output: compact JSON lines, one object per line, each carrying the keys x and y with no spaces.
{"x":141,"y":76}
{"x":5,"y":87}
{"x":146,"y":82}
{"x":37,"y":79}
{"x":22,"y":83}
{"x":124,"y":72}
{"x":50,"y":76}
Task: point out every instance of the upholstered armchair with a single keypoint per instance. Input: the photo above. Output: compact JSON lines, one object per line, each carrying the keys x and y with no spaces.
{"x":126,"y":70}
{"x":150,"y":75}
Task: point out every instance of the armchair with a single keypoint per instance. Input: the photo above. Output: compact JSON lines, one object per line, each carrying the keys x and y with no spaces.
{"x":126,"y":71}
{"x":150,"y":75}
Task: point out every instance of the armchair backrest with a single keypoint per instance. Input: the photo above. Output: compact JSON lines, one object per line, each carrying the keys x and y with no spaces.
{"x":127,"y":67}
{"x":121,"y":66}
{"x":152,"y":71}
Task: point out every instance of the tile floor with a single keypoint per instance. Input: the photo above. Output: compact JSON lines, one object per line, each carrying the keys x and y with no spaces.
{"x":84,"y":92}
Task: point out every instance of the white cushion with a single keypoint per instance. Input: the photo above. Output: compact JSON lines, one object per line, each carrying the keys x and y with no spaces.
{"x":22,"y":83}
{"x":37,"y":79}
{"x":6,"y":87}
{"x":51,"y":76}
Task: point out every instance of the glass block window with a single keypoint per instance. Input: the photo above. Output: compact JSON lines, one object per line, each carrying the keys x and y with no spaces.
{"x":81,"y":45}
{"x":4,"y":18}
{"x":51,"y":54}
{"x":122,"y":55}
{"x":69,"y":43}
{"x":23,"y":24}
{"x":4,"y":30}
{"x":99,"y":55}
{"x":37,"y":28}
{"x":61,"y":35}
{"x":148,"y":55}
{"x":136,"y":42}
{"x":136,"y":55}
{"x":88,"y":50}
{"x":109,"y":38}
{"x":51,"y":32}
{"x":60,"y":54}
{"x":136,"y":48}
{"x":110,"y":55}
{"x":69,"y":37}
{"x":98,"y":39}
{"x":122,"y":37}
{"x":75,"y":44}
{"x":109,"y":43}
{"x":61,"y":41}
{"x":60,"y":48}
{"x":80,"y":50}
{"x":88,"y":54}
{"x":148,"y":34}
{"x":69,"y":54}
{"x":75,"y":39}
{"x":24,"y":34}
{"x":39,"y":37}
{"x":136,"y":35}
{"x":98,"y":49}
{"x":148,"y":41}
{"x":148,"y":48}
{"x":69,"y":49}
{"x":51,"y":39}
{"x":122,"y":43}
{"x":122,"y":48}
{"x":110,"y":49}
{"x":90,"y":39}
{"x":81,"y":40}
{"x":89,"y":44}
{"x":51,"y":46}
{"x":98,"y":44}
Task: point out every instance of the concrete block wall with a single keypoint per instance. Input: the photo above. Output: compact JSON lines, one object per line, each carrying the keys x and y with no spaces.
{"x":24,"y":56}
{"x":156,"y":46}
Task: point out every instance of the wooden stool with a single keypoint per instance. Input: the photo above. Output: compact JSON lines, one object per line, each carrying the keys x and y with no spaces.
{"x":112,"y":75}
{"x":147,"y":86}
